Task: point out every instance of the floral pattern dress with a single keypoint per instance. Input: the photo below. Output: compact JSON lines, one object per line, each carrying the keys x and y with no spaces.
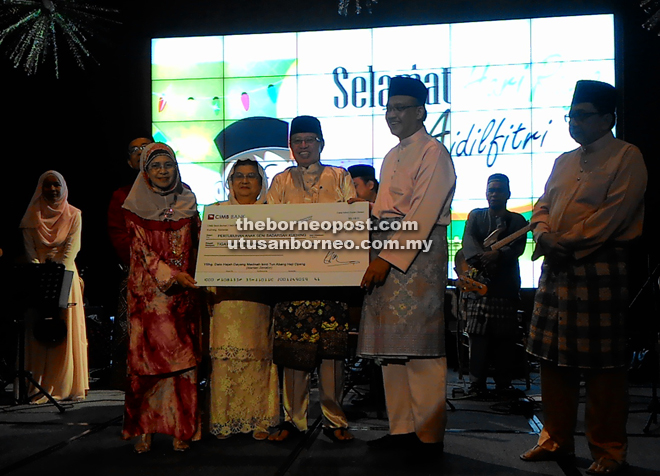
{"x":164,"y":344}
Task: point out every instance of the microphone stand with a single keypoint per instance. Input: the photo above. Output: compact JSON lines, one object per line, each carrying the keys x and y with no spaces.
{"x":43,"y":286}
{"x":21,"y":374}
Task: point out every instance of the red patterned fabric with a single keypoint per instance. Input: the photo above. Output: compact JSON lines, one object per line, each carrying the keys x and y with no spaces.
{"x":164,"y":344}
{"x":164,"y":404}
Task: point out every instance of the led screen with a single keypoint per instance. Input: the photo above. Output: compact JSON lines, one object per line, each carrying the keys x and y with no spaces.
{"x":499,"y":91}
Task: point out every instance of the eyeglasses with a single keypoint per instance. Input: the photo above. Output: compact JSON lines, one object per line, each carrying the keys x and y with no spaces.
{"x":308,"y":140}
{"x":239,"y":176}
{"x":157,"y":166}
{"x":399,"y":109}
{"x":135,"y":148}
{"x":579,"y":116}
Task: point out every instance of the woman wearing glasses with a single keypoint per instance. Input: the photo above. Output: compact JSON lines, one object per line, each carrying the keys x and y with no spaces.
{"x":163,"y":311}
{"x":244,"y":382}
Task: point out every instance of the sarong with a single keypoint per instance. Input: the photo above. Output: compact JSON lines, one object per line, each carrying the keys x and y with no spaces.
{"x":405,"y":316}
{"x":492,"y":316}
{"x":579,"y":311}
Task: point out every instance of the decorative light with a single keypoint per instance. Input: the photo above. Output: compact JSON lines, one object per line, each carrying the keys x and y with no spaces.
{"x":343,"y":6}
{"x":37,"y":25}
{"x":652,"y":7}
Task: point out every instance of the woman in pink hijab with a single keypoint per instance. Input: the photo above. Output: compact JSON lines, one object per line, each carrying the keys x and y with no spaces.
{"x":51,"y":232}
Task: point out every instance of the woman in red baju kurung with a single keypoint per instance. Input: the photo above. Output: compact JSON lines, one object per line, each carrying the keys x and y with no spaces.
{"x":163,"y":310}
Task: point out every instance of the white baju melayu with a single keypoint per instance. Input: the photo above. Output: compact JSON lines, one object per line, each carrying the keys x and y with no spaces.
{"x":402,"y":320}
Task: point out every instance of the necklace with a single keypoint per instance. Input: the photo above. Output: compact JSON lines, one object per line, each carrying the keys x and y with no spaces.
{"x":168,"y":212}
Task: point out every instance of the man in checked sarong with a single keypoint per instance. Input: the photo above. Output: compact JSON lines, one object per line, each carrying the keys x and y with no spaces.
{"x":585,"y":222}
{"x":492,"y":320}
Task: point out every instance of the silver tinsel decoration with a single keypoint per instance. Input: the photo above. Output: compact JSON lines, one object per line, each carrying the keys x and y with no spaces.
{"x":343,"y":6}
{"x":652,"y":7}
{"x":31,"y":29}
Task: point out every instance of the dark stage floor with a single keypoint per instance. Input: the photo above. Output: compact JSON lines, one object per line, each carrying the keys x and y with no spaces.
{"x":483,"y":437}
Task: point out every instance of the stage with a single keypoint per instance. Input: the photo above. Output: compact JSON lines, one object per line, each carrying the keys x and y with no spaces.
{"x":483,"y":437}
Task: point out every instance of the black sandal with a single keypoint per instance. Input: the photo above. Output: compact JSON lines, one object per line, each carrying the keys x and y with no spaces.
{"x":287,"y":426}
{"x":330,"y":433}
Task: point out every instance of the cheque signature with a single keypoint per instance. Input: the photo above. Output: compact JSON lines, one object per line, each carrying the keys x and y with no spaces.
{"x":332,"y":259}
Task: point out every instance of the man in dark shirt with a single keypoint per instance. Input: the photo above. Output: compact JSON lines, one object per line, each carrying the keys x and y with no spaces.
{"x":121,"y":241}
{"x":492,"y":319}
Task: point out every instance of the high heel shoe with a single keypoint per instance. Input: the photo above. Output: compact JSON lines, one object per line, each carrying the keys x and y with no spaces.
{"x":180,"y":445}
{"x":143,"y":445}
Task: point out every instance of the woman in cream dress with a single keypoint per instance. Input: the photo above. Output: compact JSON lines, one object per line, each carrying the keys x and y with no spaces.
{"x":244,"y":382}
{"x":51,"y":232}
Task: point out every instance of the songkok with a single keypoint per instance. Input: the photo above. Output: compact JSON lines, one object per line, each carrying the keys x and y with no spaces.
{"x":601,"y":95}
{"x":306,"y":124}
{"x":406,"y":86}
{"x":499,"y":178}
{"x":252,"y":133}
{"x":366,"y":172}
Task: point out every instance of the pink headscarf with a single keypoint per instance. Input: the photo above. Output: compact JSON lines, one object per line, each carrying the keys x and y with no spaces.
{"x":51,"y":220}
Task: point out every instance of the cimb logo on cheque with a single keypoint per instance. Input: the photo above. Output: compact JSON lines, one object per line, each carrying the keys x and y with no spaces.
{"x":218,"y":216}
